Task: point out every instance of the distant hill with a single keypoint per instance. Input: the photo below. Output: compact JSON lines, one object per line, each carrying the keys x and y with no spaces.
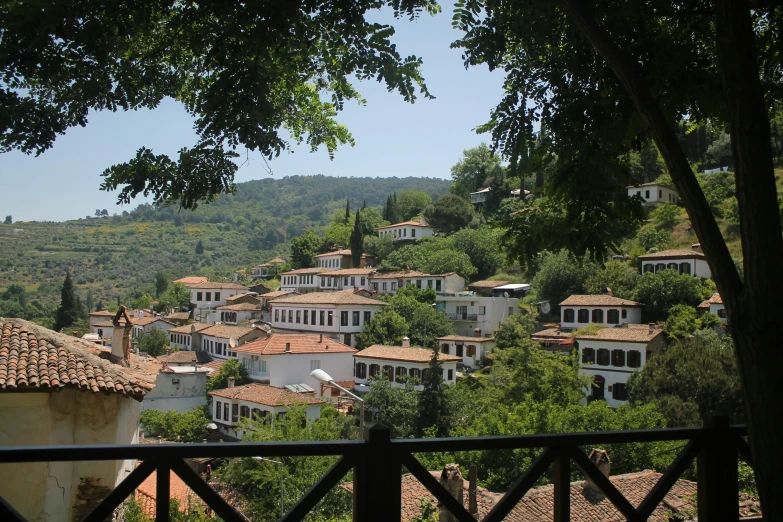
{"x":121,"y":254}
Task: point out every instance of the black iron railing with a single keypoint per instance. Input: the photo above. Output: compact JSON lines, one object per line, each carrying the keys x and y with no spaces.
{"x":378,"y":464}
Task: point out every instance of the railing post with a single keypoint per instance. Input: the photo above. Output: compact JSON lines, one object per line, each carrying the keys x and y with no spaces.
{"x":162,"y":491}
{"x":377,"y":480}
{"x":562,"y":486}
{"x":717,"y":489}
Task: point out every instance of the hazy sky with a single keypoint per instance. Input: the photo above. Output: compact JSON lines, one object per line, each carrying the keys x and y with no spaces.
{"x":393,"y":138}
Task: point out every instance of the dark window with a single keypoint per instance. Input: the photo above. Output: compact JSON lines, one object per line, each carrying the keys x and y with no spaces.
{"x":660,"y":266}
{"x":244,"y":411}
{"x":583,"y":316}
{"x":613,"y":316}
{"x":256,"y":413}
{"x":598,"y":387}
{"x":418,"y":283}
{"x":685,"y":268}
{"x":374,"y":370}
{"x":217,"y":409}
{"x":722,"y":313}
{"x":660,"y":194}
{"x":329,"y":318}
{"x":225,"y":412}
{"x":322,"y":317}
{"x":356,"y":319}
{"x":588,"y":355}
{"x":437,"y":285}
{"x":603,"y":357}
{"x":647,"y":194}
{"x":367,"y":317}
{"x":400,"y":374}
{"x":198,"y":296}
{"x":290,"y":316}
{"x":618,"y":357}
{"x":672,"y":266}
{"x":649,"y":267}
{"x":345,"y":281}
{"x":306,"y":317}
{"x":343,"y":318}
{"x":298,"y":316}
{"x":282,"y":319}
{"x":234,"y":412}
{"x":568,"y":315}
{"x":425,"y":373}
{"x":451,"y":375}
{"x":624,"y":313}
{"x":347,"y":339}
{"x":361,"y":370}
{"x":620,"y":391}
{"x":444,"y":348}
{"x":209,"y":296}
{"x":363,"y":282}
{"x":413,"y":232}
{"x":415,"y":374}
{"x":459,"y":350}
{"x":217,"y":296}
{"x":471,"y":351}
{"x":353,"y":281}
{"x":312,"y":317}
{"x":389,"y":371}
{"x":598,"y":316}
{"x":634,"y":358}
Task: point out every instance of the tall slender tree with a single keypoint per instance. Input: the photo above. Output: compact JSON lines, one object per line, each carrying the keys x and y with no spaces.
{"x":433,"y":407}
{"x":357,"y":242}
{"x":69,"y":310}
{"x":347,"y":210}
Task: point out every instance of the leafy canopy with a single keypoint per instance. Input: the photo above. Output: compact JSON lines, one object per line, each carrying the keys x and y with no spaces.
{"x":449,"y":214}
{"x":155,"y":342}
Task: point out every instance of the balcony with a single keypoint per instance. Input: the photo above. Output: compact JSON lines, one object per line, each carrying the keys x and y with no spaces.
{"x":462,"y":317}
{"x":377,"y":470}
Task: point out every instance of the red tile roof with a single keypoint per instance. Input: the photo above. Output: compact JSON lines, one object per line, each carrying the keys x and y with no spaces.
{"x":209,"y":285}
{"x":188,"y":328}
{"x":272,"y":262}
{"x":241,"y":307}
{"x":466,"y":338}
{"x":349,"y":272}
{"x":103,"y":313}
{"x":597,"y":300}
{"x":634,"y":333}
{"x":266,"y":395}
{"x":277,"y":293}
{"x":406,"y":224}
{"x":344,"y":252}
{"x":298,"y":343}
{"x":403,"y":274}
{"x":341,"y":297}
{"x":178,"y":316}
{"x":182,"y":356}
{"x":677,"y":253}
{"x":33,"y":357}
{"x":398,"y":353}
{"x":312,"y":270}
{"x":487,"y":284}
{"x":215,"y":365}
{"x":146,"y":494}
{"x":225,"y":331}
{"x":191,"y":280}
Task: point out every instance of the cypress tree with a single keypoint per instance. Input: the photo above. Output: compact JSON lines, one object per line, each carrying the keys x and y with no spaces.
{"x":432,"y":409}
{"x":199,"y":247}
{"x":68,"y":311}
{"x":357,"y":242}
{"x":364,"y":204}
{"x":347,"y":210}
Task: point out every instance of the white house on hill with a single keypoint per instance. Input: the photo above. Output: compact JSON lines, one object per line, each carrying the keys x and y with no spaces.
{"x":341,"y":315}
{"x":208,"y":296}
{"x":407,"y":231}
{"x":655,"y":194}
{"x":345,"y":279}
{"x":391,"y":282}
{"x":469,"y":312}
{"x":400,"y":363}
{"x":684,"y":261}
{"x":715,"y":305}
{"x":580,"y":310}
{"x":612,"y":354}
{"x":220,"y":340}
{"x":470,"y":349}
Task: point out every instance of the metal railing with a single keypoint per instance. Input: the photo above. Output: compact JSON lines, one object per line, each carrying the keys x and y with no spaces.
{"x":462,"y":317}
{"x":378,"y":463}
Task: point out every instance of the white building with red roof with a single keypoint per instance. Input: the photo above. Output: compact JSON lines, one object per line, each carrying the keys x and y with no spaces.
{"x":209,"y":295}
{"x":715,"y":305}
{"x":407,"y":230}
{"x":287,"y":359}
{"x":581,"y":310}
{"x":257,"y":401}
{"x":690,"y":262}
{"x":471,"y":349}
{"x":655,"y":194}
{"x":221,"y":340}
{"x":390,"y":283}
{"x":399,"y":363}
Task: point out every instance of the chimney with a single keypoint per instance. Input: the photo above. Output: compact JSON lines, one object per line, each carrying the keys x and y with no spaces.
{"x":452,"y":481}
{"x":652,"y":328}
{"x":602,"y":461}
{"x":121,"y":338}
{"x":287,"y":347}
{"x":406,"y":342}
{"x":696,"y":247}
{"x":608,"y":291}
{"x":472,"y":485}
{"x":321,"y":338}
{"x":476,"y":332}
{"x":231,"y":382}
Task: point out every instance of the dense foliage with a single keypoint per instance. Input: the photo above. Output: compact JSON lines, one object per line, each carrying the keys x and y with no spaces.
{"x":231,"y":368}
{"x":189,"y":426}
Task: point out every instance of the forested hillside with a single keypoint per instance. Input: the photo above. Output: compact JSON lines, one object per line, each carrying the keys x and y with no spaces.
{"x":116,"y":255}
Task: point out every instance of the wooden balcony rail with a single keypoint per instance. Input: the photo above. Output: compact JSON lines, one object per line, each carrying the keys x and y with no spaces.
{"x":462,"y":316}
{"x":378,"y":465}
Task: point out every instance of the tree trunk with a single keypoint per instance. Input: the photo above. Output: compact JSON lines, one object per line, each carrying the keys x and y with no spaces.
{"x":752,"y":307}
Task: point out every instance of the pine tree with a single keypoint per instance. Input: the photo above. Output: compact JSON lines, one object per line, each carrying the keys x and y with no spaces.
{"x":199,"y":247}
{"x":357,"y":242}
{"x":69,"y":311}
{"x":347,"y":210}
{"x":433,"y":407}
{"x":364,"y":204}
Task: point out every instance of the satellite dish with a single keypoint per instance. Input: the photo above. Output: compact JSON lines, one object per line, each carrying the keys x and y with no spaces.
{"x":545,"y":307}
{"x":505,"y":294}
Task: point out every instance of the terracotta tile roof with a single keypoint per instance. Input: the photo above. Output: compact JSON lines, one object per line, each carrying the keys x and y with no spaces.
{"x":487,"y":284}
{"x":466,"y":338}
{"x":182,"y":356}
{"x":341,"y":297}
{"x":549,"y":332}
{"x":191,"y":280}
{"x":413,"y":490}
{"x":103,"y":324}
{"x":178,"y":316}
{"x":146,"y":321}
{"x":344,"y":252}
{"x":272,"y":262}
{"x":146,"y":494}
{"x":598,"y":300}
{"x":103,"y":313}
{"x":299,"y":343}
{"x":714,"y":299}
{"x":241,"y":307}
{"x":350,"y":272}
{"x":243,"y":296}
{"x":33,"y":357}
{"x":226,"y":331}
{"x":278,"y":293}
{"x":634,"y":333}
{"x":677,"y":253}
{"x":266,"y":395}
{"x":538,"y":504}
{"x":313,"y":270}
{"x":227,"y":286}
{"x":398,"y":353}
{"x":188,"y":328}
{"x":406,"y":224}
{"x":215,"y":365}
{"x":652,"y":184}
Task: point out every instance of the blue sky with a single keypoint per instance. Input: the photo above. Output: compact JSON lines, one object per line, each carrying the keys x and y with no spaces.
{"x":393,"y":138}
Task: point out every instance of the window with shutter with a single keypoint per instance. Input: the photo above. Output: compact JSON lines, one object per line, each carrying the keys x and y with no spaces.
{"x":415,"y":374}
{"x":235,"y":413}
{"x":356,"y":319}
{"x":389,"y":371}
{"x":583,"y":316}
{"x":598,"y":315}
{"x":613,"y":317}
{"x":374,"y":370}
{"x":618,"y":357}
{"x":344,"y":318}
{"x":361,"y":370}
{"x":603,"y":357}
{"x":620,"y":391}
{"x":401,"y":372}
{"x":244,"y":411}
{"x":568,"y":315}
{"x":588,"y":355}
{"x":444,"y":348}
{"x":634,"y":358}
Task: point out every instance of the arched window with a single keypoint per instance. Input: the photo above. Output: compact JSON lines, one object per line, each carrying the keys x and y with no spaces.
{"x":389,"y":370}
{"x":361,"y":370}
{"x":401,"y":372}
{"x":568,"y":315}
{"x":598,"y":387}
{"x":415,"y":374}
{"x":244,"y":411}
{"x":613,"y":316}
{"x":598,"y":315}
{"x":583,"y":315}
{"x":374,"y":370}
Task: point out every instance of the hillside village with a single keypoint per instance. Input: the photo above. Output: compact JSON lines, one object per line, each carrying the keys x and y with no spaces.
{"x":345,"y":338}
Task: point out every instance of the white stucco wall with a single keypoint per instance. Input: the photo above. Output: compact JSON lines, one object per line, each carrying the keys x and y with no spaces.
{"x":47,"y":491}
{"x":177,"y":391}
{"x":655,"y":194}
{"x":496,"y":310}
{"x":450,"y":366}
{"x":292,"y":368}
{"x":312,"y":413}
{"x":633,"y":315}
{"x":698,"y":267}
{"x":482,"y":350}
{"x":336,"y":330}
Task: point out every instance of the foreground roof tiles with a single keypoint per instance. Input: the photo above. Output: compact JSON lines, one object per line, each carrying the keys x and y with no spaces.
{"x":677,"y":253}
{"x":598,"y":300}
{"x":635,"y":333}
{"x":398,"y":353}
{"x":298,"y":343}
{"x":33,"y":357}
{"x":342,"y":297}
{"x":266,"y":395}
